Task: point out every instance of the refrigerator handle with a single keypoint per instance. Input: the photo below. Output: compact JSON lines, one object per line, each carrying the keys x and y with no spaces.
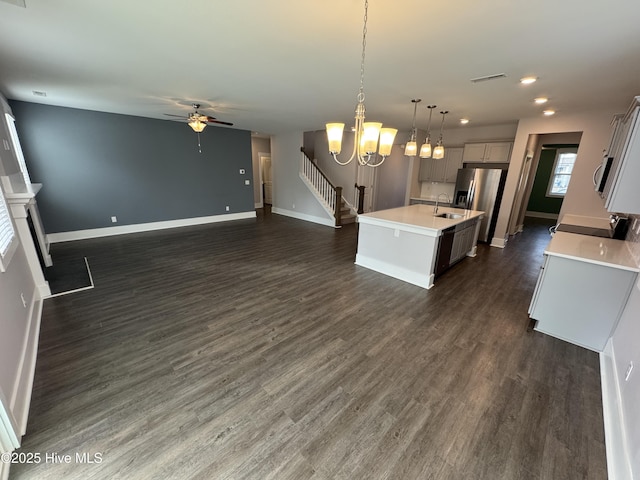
{"x":472,"y":185}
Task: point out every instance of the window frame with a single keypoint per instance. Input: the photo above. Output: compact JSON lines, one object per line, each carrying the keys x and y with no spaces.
{"x":554,"y":174}
{"x":6,"y":220}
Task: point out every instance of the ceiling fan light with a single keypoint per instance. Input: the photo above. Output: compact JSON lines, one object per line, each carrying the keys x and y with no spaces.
{"x":197,"y":125}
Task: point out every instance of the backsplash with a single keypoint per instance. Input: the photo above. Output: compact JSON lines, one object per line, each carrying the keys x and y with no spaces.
{"x":634,"y":238}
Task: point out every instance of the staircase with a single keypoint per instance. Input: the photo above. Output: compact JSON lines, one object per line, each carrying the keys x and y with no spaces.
{"x":330,"y":196}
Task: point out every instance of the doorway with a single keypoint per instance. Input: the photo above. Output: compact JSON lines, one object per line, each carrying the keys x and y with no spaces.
{"x":266,"y":178}
{"x":536,"y":198}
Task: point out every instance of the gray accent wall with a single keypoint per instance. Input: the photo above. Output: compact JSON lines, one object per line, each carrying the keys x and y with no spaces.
{"x":95,"y":165}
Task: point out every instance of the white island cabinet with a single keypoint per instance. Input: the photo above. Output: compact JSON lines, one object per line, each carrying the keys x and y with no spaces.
{"x":582,"y":288}
{"x":404,"y":242}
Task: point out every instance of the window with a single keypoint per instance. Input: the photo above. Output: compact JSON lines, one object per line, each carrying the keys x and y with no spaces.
{"x":17,"y":148}
{"x":561,"y":173}
{"x":8,"y":240}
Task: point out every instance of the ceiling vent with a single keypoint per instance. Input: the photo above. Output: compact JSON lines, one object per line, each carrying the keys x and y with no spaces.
{"x":37,"y":93}
{"x":488,"y":77}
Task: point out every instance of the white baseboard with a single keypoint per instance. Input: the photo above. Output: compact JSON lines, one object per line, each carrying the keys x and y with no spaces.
{"x":144,"y":227}
{"x":618,"y":467}
{"x":551,"y":216}
{"x":498,"y":242}
{"x":329,"y":222}
{"x":409,"y":276}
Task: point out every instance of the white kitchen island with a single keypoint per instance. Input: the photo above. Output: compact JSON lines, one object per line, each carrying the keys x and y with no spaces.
{"x":404,"y":242}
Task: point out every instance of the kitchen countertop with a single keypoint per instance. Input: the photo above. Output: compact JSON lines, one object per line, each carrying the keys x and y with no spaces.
{"x":601,"y":251}
{"x":593,"y":222}
{"x":418,"y":218}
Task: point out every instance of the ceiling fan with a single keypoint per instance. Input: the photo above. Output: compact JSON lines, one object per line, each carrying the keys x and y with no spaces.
{"x":198,"y":121}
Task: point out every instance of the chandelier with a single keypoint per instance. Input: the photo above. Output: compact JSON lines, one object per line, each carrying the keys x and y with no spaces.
{"x":366,"y":134}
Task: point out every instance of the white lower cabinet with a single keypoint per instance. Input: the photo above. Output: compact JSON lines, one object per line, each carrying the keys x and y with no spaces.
{"x":580,"y":302}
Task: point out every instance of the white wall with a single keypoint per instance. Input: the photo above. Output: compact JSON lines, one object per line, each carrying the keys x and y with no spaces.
{"x":291,"y":196}
{"x":581,"y":198}
{"x":340,"y":175}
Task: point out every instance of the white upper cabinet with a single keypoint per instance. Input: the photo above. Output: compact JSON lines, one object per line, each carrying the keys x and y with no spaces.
{"x":442,"y":170}
{"x":454,"y":163}
{"x":622,"y":190}
{"x":494,"y":152}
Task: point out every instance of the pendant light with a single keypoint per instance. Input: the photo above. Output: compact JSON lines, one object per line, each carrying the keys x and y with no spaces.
{"x":366,"y":135}
{"x":438,"y":152}
{"x":425,"y":149}
{"x":411,"y":148}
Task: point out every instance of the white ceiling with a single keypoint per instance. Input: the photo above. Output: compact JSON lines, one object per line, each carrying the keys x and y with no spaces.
{"x":286,"y":65}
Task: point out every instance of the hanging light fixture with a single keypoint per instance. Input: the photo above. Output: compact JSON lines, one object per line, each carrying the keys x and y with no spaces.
{"x":411,"y":148}
{"x":196,"y":124}
{"x":366,"y":134}
{"x":425,"y":149}
{"x":438,"y":152}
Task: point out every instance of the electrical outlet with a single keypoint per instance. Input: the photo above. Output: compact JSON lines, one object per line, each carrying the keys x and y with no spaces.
{"x":114,"y":219}
{"x":242,"y":171}
{"x":627,"y":374}
{"x":227,"y":208}
{"x":247,"y":182}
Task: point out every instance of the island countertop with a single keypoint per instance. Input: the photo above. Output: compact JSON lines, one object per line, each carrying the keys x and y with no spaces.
{"x":418,"y":218}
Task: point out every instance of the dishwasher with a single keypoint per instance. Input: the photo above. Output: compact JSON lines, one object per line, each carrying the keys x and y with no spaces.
{"x":445,"y":247}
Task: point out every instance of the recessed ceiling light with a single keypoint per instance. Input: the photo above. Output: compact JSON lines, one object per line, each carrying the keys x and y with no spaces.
{"x":528,"y":80}
{"x":548,"y":113}
{"x":541,"y":100}
{"x":464,"y":121}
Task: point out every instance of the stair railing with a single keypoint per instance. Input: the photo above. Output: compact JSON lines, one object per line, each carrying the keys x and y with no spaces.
{"x":330,"y":194}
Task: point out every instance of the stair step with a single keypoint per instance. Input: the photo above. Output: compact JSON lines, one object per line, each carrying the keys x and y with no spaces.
{"x":347,"y":219}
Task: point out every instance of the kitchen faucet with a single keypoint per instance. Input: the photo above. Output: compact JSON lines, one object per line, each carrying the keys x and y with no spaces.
{"x":435,"y":211}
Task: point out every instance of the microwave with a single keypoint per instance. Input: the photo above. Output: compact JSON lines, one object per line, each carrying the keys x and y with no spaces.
{"x":601,"y":175}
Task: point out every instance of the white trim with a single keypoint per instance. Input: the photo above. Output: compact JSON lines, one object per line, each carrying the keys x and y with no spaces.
{"x":618,"y":467}
{"x":21,"y":399}
{"x":550,"y":216}
{"x":305,"y":217}
{"x":144,"y":227}
{"x":498,"y":242}
{"x":409,"y":276}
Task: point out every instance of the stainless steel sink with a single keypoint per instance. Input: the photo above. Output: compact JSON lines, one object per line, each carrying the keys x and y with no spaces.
{"x":452,"y":216}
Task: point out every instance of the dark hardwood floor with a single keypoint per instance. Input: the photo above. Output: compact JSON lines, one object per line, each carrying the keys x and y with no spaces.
{"x":256,"y":349}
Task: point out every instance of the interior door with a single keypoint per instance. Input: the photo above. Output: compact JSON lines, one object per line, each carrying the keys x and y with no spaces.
{"x":267,"y":179}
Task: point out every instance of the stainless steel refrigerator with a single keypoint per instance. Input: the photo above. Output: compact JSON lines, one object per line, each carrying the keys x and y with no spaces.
{"x":481,"y":189}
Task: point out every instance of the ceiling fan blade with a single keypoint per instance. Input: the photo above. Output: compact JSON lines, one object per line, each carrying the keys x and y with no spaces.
{"x":209,"y":119}
{"x":220,"y":122}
